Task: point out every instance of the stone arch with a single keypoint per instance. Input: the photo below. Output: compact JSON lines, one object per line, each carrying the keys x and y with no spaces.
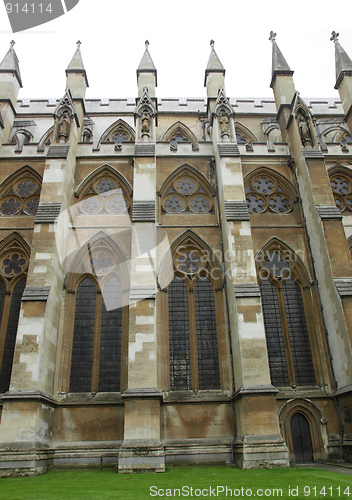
{"x":189,"y":250}
{"x":118,"y":127}
{"x":182,"y":129}
{"x":336,"y":132}
{"x":100,"y":261}
{"x":188,"y":241}
{"x":14,"y":242}
{"x":45,"y":140}
{"x":299,"y":270}
{"x":82,"y":261}
{"x":317,"y":426}
{"x":341,"y":185}
{"x":285,"y":280}
{"x":17,"y":197}
{"x":105,"y":169}
{"x":25,"y":170}
{"x":198,"y":197}
{"x":273,"y":136}
{"x":21,"y":137}
{"x":245,"y":133}
{"x":280,"y":197}
{"x":14,"y":261}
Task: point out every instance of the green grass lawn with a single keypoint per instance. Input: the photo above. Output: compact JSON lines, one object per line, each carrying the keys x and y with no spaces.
{"x":197,"y":482}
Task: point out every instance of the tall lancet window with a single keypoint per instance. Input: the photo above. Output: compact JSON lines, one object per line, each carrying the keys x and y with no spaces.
{"x":94,"y":356}
{"x":287,"y":338}
{"x":193,"y":336}
{"x":13,"y":267}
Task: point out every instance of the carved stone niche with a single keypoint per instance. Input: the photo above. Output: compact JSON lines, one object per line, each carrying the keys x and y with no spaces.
{"x":304,"y":128}
{"x":145,"y":112}
{"x":63,"y":116}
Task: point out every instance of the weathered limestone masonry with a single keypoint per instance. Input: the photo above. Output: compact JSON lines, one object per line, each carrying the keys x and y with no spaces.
{"x":332,"y":262}
{"x":342,"y":267}
{"x":256,"y":444}
{"x":29,"y":406}
{"x":142,"y":448}
{"x":10,"y":85}
{"x":188,"y":273}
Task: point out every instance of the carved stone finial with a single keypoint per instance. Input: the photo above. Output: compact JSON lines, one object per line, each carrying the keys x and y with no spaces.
{"x":212,"y":43}
{"x":334,"y":36}
{"x":79,"y":43}
{"x":146,"y":43}
{"x":12,"y":43}
{"x":272,"y":36}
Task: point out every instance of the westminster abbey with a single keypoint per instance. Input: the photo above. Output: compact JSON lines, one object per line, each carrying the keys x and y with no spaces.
{"x":175,"y":274}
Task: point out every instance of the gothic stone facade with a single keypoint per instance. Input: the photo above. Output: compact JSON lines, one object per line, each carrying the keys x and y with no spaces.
{"x":175,"y":274}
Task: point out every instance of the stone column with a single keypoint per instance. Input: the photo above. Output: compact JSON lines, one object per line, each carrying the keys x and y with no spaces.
{"x":258,"y":440}
{"x":142,"y":449}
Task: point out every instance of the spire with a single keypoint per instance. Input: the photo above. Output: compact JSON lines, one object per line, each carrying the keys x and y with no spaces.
{"x":146,"y":65}
{"x":214,"y":64}
{"x":10,"y":63}
{"x":343,"y":62}
{"x":76,"y":64}
{"x":279,"y":64}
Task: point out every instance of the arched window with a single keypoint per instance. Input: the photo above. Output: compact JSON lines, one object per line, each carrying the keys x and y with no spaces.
{"x":118,"y":133}
{"x":269,"y":192}
{"x":20,"y":193}
{"x":95,"y":335}
{"x":193,"y":339}
{"x":13,"y":267}
{"x":96,"y":346}
{"x":179,"y":132}
{"x":104,"y":192}
{"x":341,"y":185}
{"x":288,"y":344}
{"x":187,"y":191}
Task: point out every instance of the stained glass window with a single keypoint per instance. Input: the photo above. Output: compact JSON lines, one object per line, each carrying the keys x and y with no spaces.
{"x":193,"y":333}
{"x":264,"y":193}
{"x":11,"y":333}
{"x":22,"y":197}
{"x":285,"y":324}
{"x":186,"y":194}
{"x":179,"y":342}
{"x":96,"y":324}
{"x":105,"y":195}
{"x":341,"y":185}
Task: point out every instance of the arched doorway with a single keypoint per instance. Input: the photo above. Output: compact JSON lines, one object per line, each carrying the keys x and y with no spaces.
{"x":301,"y":439}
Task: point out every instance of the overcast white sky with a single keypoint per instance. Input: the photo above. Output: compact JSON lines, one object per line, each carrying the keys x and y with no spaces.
{"x":113,"y":32}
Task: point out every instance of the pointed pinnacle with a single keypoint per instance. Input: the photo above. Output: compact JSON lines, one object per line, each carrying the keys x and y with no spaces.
{"x":334,"y":36}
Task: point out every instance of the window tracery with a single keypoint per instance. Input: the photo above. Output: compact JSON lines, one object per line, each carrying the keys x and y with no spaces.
{"x":97,"y":323}
{"x":179,"y":132}
{"x":186,"y":194}
{"x":193,"y":344}
{"x":106,"y":194}
{"x":118,"y":133}
{"x":266,"y":193}
{"x":286,"y":329}
{"x":98,"y":295}
{"x":341,"y":185}
{"x":21,"y":196}
{"x":13,"y":271}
